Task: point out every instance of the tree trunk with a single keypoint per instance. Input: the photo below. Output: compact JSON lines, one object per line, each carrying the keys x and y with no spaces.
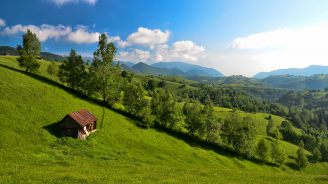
{"x":26,"y":69}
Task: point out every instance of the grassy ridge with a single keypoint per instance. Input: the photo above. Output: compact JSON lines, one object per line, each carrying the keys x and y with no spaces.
{"x":119,"y":152}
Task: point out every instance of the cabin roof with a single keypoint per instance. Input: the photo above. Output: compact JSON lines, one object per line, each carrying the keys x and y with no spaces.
{"x":83,"y":117}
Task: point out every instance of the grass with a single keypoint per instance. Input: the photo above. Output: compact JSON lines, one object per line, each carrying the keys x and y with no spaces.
{"x":120,"y":152}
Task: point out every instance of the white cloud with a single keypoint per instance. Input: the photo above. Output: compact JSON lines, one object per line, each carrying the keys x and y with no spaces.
{"x":63,"y":2}
{"x":180,"y":51}
{"x":44,"y":32}
{"x":81,"y":36}
{"x":135,"y":55}
{"x":2,"y":22}
{"x":186,"y":51}
{"x":148,"y":37}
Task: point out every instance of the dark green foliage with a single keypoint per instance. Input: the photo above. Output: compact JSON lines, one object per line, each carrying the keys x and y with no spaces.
{"x":29,"y":52}
{"x":150,"y":85}
{"x":316,"y":155}
{"x":72,"y":71}
{"x":134,"y":99}
{"x":194,"y":118}
{"x":147,"y":117}
{"x":239,"y":133}
{"x":162,"y":84}
{"x":270,"y":129}
{"x":324,"y":151}
{"x":106,"y":76}
{"x":52,"y":69}
{"x":278,"y":155}
{"x":301,"y":158}
{"x":288,"y":132}
{"x":163,"y":106}
{"x":262,"y":150}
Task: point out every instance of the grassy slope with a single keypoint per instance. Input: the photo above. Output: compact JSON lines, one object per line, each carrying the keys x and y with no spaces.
{"x":119,"y":152}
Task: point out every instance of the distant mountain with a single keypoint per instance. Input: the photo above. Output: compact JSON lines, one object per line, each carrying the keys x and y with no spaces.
{"x":297,"y":82}
{"x":189,"y":69}
{"x":11,"y":51}
{"x":52,"y":57}
{"x":6,"y":50}
{"x":150,"y":70}
{"x":308,"y":71}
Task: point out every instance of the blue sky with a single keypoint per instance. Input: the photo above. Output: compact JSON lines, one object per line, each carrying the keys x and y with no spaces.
{"x":233,"y":36}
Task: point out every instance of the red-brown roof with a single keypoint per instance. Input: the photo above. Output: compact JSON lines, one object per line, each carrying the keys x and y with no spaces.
{"x":83,"y":117}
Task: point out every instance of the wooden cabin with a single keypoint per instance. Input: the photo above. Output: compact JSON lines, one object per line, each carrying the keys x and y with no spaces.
{"x":78,"y":124}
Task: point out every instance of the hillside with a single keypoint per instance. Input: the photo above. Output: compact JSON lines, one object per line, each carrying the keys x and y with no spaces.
{"x":308,"y":71}
{"x":11,"y":51}
{"x":120,"y":152}
{"x":297,"y":82}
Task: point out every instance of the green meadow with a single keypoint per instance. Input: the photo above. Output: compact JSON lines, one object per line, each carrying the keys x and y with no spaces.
{"x":119,"y":152}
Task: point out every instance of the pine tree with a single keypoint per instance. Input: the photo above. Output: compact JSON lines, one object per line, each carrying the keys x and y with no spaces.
{"x":270,"y":127}
{"x":316,"y":155}
{"x":277,"y":153}
{"x":72,"y":71}
{"x":301,"y":158}
{"x":262,"y":150}
{"x":30,"y":51}
{"x":52,"y":69}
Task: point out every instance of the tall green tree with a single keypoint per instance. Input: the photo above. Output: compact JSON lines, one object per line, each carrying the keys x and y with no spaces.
{"x":52,"y":69}
{"x":316,"y":155}
{"x":134,"y":99}
{"x":301,"y":158}
{"x":270,"y":128}
{"x":239,"y":133}
{"x":277,"y":153}
{"x":72,"y":71}
{"x":164,"y":108}
{"x":194,"y":119}
{"x":106,"y":76}
{"x":30,"y":51}
{"x":262,"y":150}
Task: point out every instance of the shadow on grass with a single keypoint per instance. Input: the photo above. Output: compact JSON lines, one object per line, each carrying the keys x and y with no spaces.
{"x":53,"y":129}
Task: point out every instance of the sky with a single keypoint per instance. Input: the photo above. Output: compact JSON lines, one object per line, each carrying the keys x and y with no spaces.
{"x":236,"y":37}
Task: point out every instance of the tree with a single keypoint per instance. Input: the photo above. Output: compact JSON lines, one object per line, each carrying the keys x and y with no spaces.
{"x":270,"y":128}
{"x":262,"y":150}
{"x":324,"y":151}
{"x":164,"y":108}
{"x":316,"y":155}
{"x":301,"y":158}
{"x":72,"y":71}
{"x":212,"y":124}
{"x":194,"y":119}
{"x":29,"y":53}
{"x":147,"y":117}
{"x":239,"y":133}
{"x":134,"y":99}
{"x":106,"y":75}
{"x":52,"y":69}
{"x":277,"y":153}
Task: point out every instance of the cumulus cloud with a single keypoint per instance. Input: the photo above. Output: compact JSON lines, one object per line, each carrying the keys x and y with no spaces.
{"x":44,"y":32}
{"x":179,"y":51}
{"x":134,"y":55}
{"x":148,"y":37}
{"x":2,"y":22}
{"x":81,"y":35}
{"x":63,"y":2}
